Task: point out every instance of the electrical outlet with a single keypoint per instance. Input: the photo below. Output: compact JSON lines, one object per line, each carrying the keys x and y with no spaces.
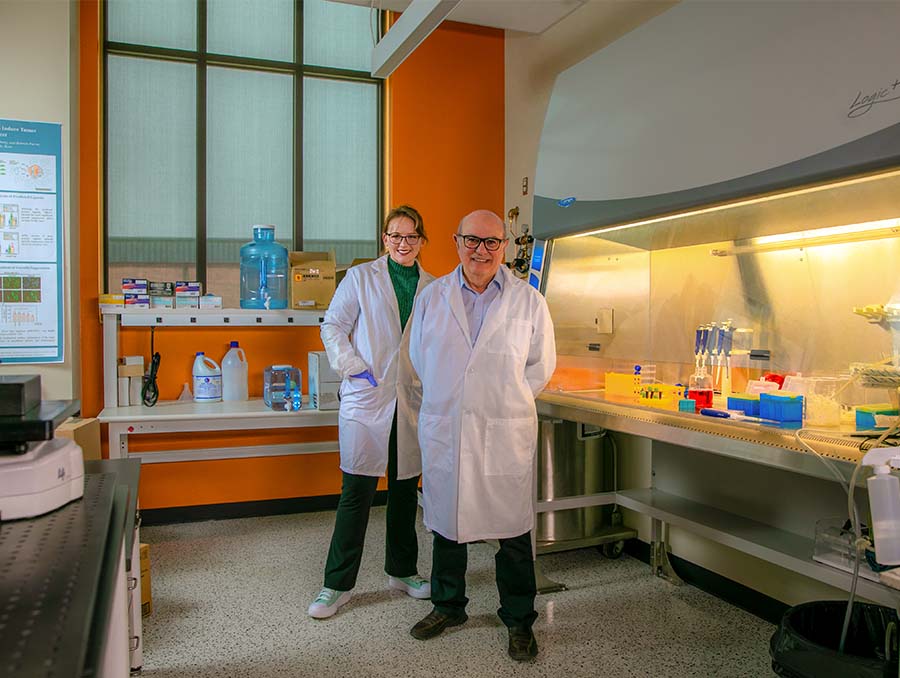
{"x":524,"y":185}
{"x":604,"y":321}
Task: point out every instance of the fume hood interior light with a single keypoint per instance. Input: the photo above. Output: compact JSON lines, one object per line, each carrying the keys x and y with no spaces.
{"x":743,"y":203}
{"x":832,"y":235}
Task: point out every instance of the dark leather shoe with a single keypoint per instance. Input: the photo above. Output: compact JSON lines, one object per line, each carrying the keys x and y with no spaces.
{"x":435,"y":623}
{"x":522,"y":645}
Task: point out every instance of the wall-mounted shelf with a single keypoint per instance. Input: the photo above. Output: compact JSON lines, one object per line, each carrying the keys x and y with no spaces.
{"x":187,"y":317}
{"x":191,"y":317}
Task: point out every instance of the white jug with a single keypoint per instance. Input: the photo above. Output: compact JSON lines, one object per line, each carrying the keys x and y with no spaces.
{"x":207,"y":379}
{"x":235,"y":373}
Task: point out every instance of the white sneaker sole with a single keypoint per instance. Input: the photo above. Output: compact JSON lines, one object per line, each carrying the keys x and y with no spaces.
{"x":319,"y":611}
{"x":423,"y":593}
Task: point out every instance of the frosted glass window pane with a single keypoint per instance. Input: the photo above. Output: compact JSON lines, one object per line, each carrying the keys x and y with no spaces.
{"x":249,"y":157}
{"x":337,"y":35}
{"x":340,"y":167}
{"x":262,"y":29}
{"x":151,"y":164}
{"x":160,"y":23}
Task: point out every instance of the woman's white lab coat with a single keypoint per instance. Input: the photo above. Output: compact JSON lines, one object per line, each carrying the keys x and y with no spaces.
{"x":361,"y":331}
{"x":478,"y":420}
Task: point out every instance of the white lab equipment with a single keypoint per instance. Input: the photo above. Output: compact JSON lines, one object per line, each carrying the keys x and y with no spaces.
{"x":207,"y":376}
{"x":324,"y":382}
{"x":235,"y":374}
{"x":884,"y":501}
{"x":48,"y":475}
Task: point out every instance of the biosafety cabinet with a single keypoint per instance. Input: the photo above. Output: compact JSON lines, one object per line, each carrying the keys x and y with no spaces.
{"x":729,"y":203}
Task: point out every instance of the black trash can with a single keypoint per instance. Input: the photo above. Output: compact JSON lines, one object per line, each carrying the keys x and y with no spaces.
{"x":805,"y":645}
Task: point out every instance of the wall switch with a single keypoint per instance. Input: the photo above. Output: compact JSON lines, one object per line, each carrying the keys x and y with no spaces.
{"x":604,"y":321}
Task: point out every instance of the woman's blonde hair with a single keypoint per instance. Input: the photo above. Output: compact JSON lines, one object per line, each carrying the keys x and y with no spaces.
{"x":410,"y":213}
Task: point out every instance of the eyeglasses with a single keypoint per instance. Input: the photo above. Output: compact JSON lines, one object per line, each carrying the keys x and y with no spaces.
{"x":397,"y":238}
{"x":473,"y":241}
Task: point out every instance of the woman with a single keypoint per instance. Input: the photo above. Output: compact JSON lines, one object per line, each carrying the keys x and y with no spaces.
{"x":367,"y":341}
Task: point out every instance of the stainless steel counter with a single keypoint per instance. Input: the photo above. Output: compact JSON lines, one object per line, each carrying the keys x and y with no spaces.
{"x":733,"y":524}
{"x":768,"y":445}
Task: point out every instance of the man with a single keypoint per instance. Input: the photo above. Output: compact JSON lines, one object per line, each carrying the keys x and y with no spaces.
{"x":482,"y":344}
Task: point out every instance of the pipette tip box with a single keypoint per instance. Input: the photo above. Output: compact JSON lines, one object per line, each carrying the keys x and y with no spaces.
{"x":744,"y":402}
{"x":783,"y":407}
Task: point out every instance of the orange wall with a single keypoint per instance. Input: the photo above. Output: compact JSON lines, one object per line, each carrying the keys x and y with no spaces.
{"x":444,"y":148}
{"x":444,"y":142}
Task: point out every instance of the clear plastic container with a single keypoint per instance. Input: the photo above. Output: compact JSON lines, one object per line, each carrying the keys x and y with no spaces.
{"x":264,"y":271}
{"x":235,"y":373}
{"x":823,"y":405}
{"x":281,"y":387}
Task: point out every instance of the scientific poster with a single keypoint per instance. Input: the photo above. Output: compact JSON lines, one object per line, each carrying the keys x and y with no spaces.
{"x":31,"y":242}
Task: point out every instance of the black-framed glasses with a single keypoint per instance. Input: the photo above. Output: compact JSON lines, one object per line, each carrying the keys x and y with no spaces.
{"x":397,"y":238}
{"x":473,"y":241}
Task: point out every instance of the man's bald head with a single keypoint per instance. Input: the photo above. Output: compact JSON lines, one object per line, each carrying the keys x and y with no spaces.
{"x":483,"y":219}
{"x":479,"y":262}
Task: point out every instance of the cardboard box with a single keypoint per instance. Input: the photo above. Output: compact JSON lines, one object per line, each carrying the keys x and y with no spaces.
{"x":131,"y":370}
{"x":188,"y":288}
{"x":146,"y":594}
{"x":162,"y":302}
{"x":137,"y":301}
{"x":312,"y":280}
{"x":161,"y":289}
{"x":112,"y":303}
{"x":187,"y":302}
{"x":134,"y":286}
{"x":210,"y":301}
{"x":85,"y":432}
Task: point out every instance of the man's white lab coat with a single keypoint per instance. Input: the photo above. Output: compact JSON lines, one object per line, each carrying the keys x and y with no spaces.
{"x":478,"y":421}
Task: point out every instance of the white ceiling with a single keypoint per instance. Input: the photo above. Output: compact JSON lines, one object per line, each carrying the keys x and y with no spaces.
{"x":528,"y":16}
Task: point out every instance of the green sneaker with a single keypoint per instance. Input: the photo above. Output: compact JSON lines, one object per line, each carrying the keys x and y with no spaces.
{"x":415,"y":586}
{"x":327,"y":603}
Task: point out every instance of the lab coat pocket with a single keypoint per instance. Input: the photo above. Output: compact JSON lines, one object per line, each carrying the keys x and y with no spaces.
{"x":509,"y":446}
{"x":512,"y":339}
{"x":436,"y":443}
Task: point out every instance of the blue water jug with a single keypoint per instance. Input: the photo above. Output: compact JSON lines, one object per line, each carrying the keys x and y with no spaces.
{"x":264,"y":271}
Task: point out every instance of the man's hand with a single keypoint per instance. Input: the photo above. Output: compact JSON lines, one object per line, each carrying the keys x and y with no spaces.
{"x":365,"y":374}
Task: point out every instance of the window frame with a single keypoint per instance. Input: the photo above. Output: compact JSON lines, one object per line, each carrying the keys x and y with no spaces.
{"x":203,"y":59}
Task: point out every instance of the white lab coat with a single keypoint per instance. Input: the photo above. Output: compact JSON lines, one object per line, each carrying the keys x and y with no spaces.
{"x":361,"y":331}
{"x":478,"y":420}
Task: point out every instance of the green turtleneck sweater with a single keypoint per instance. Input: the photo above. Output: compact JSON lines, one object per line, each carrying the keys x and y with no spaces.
{"x":405,"y":280}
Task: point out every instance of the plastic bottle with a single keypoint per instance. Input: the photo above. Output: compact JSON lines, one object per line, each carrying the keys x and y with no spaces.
{"x":884,"y":500}
{"x":264,"y":271}
{"x":207,"y":379}
{"x":235,"y":372}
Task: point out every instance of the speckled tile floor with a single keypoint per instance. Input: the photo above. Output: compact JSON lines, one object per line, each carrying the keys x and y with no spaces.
{"x":230,"y":599}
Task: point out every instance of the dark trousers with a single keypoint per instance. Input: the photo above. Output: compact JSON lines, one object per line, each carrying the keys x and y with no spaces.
{"x":515,"y":579}
{"x":401,"y":543}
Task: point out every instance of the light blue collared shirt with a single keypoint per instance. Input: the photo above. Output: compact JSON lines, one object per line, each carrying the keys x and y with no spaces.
{"x":477,"y":305}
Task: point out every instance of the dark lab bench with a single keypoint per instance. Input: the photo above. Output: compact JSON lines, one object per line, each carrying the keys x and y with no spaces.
{"x":58,"y":575}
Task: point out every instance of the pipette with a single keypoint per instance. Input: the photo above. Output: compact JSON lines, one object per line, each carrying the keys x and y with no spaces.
{"x":726,"y":351}
{"x":737,"y":416}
